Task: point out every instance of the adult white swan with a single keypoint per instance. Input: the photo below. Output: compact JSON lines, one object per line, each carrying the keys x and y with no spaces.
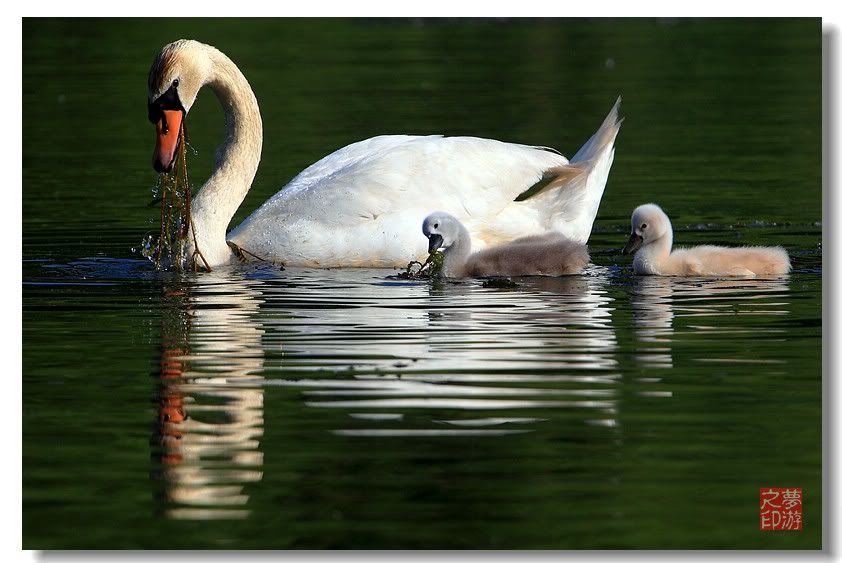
{"x":361,"y":205}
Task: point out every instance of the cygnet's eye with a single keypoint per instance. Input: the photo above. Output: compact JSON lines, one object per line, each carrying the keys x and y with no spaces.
{"x":436,"y":226}
{"x":643,"y":226}
{"x":175,"y":83}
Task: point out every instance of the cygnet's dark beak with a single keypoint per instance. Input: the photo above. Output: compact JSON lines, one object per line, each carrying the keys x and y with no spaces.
{"x":634,"y":243}
{"x":436,"y":241}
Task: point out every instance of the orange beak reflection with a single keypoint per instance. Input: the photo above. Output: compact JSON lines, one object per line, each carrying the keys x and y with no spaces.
{"x":167,"y":131}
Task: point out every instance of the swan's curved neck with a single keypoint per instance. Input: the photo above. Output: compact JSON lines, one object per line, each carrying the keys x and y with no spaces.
{"x":236,"y":159}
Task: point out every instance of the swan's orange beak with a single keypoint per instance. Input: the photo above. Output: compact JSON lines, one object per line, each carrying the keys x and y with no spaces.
{"x":167,"y":130}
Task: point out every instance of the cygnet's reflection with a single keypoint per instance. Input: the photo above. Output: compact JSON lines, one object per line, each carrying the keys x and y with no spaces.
{"x":210,"y":398}
{"x":652,"y":315}
{"x":657,"y":301}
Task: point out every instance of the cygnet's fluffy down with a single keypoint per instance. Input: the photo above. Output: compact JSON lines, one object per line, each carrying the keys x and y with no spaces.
{"x":548,"y":254}
{"x":651,"y":238}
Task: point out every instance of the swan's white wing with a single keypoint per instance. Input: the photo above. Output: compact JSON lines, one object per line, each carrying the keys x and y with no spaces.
{"x":343,"y":158}
{"x":466,"y":176}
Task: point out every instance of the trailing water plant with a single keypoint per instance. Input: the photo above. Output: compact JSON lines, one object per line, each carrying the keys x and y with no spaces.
{"x":431,"y":268}
{"x":177,"y":228}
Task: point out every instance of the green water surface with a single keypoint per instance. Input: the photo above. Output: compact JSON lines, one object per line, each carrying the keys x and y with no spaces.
{"x":259,"y":408}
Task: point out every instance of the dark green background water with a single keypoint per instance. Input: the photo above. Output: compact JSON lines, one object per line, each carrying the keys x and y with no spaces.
{"x":341,"y":409}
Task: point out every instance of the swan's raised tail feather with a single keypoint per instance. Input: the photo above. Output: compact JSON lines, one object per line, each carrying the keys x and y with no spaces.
{"x":568,"y":196}
{"x":604,"y":136}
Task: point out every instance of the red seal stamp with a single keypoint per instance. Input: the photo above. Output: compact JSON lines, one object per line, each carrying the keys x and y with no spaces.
{"x":780,"y":509}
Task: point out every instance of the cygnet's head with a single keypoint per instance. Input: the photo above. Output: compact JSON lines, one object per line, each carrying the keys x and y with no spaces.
{"x":442,"y":229}
{"x":648,"y":223}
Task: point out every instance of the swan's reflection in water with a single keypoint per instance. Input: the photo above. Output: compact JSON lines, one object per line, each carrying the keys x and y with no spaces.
{"x":373,"y":359}
{"x":209,"y":427}
{"x":657,"y":302}
{"x":411,"y":347}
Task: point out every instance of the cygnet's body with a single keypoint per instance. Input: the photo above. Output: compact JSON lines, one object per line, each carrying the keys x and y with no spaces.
{"x":548,"y":254}
{"x":651,"y":237}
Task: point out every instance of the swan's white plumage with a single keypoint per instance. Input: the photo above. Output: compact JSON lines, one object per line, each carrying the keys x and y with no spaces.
{"x":651,"y":230}
{"x":361,"y":205}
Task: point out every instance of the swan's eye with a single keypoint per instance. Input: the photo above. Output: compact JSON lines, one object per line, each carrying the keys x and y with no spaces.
{"x":175,"y":83}
{"x":436,"y":226}
{"x":643,"y":226}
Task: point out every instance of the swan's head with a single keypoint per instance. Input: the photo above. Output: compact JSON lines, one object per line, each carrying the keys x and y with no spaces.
{"x":442,"y":229}
{"x":178,"y":73}
{"x":648,"y":224}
